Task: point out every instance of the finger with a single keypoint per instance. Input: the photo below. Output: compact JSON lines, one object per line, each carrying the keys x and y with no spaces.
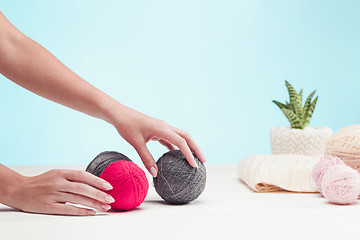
{"x":88,"y":178}
{"x":167,"y":144}
{"x":191,"y":142}
{"x":86,"y":201}
{"x":65,"y":209}
{"x":88,"y":191}
{"x":181,"y":143}
{"x":147,"y":158}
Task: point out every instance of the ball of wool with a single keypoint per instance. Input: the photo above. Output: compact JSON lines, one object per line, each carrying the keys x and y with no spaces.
{"x":130,"y":185}
{"x":177,"y":182}
{"x":320,"y":168}
{"x":345,"y":144}
{"x":341,"y":184}
{"x":104,"y":159}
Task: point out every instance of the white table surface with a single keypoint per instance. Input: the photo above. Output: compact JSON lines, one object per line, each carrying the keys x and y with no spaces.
{"x":227,"y":209}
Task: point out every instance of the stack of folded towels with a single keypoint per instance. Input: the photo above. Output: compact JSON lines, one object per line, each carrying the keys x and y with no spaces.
{"x":280,"y":172}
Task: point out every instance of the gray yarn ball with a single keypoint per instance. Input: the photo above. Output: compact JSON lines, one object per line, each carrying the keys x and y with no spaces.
{"x":103,"y":160}
{"x":177,"y":182}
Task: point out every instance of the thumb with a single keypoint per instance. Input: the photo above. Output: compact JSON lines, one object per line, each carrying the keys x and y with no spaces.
{"x":147,"y":159}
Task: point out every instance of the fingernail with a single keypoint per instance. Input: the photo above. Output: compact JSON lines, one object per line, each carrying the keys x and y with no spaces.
{"x":107,"y":186}
{"x":91,"y":212}
{"x":109,"y":199}
{"x":153,"y":172}
{"x":196,"y":165}
{"x":105,"y":207}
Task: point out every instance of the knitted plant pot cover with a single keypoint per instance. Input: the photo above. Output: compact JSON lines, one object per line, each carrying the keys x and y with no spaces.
{"x":309,"y":141}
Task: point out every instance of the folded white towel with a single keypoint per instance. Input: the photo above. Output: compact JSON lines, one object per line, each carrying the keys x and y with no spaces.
{"x":269,"y":173}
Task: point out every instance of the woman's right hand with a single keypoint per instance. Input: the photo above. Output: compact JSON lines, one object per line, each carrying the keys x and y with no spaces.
{"x":47,"y":193}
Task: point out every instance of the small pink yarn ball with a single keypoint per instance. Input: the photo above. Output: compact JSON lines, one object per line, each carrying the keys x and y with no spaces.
{"x":320,"y":168}
{"x":341,"y":184}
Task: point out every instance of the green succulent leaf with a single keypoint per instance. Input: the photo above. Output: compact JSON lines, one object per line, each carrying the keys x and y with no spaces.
{"x":310,"y":111}
{"x":292,"y":92}
{"x":298,"y":106}
{"x":293,"y":118}
{"x":308,"y":102}
{"x":279,"y":104}
{"x":298,"y":115}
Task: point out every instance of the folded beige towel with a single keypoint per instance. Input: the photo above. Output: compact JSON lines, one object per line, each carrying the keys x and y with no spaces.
{"x":270,"y":173}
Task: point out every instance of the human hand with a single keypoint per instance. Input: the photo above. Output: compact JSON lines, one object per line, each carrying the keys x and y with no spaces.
{"x":137,"y":129}
{"x":47,"y":193}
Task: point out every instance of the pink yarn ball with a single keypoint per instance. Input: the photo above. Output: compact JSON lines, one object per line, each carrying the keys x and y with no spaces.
{"x":340,"y":184}
{"x":130,"y":185}
{"x":320,"y":168}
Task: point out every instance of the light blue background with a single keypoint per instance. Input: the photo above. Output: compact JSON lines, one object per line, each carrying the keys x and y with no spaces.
{"x":209,"y":67}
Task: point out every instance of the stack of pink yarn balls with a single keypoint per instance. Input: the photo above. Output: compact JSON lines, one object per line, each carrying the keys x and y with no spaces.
{"x":336,"y":181}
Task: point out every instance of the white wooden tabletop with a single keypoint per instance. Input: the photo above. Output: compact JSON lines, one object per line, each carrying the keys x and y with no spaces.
{"x":227,"y":209}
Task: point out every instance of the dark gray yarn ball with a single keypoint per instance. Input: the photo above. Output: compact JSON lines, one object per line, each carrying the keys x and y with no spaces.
{"x":104,"y":159}
{"x":177,"y":182}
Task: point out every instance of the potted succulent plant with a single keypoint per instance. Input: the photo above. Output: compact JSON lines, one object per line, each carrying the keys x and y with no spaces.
{"x":299,"y":138}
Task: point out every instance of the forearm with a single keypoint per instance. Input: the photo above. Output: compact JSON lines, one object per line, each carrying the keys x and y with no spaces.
{"x":9,"y":182}
{"x":33,"y":67}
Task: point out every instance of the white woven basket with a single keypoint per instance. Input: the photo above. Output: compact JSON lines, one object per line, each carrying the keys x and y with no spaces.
{"x":310,"y":141}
